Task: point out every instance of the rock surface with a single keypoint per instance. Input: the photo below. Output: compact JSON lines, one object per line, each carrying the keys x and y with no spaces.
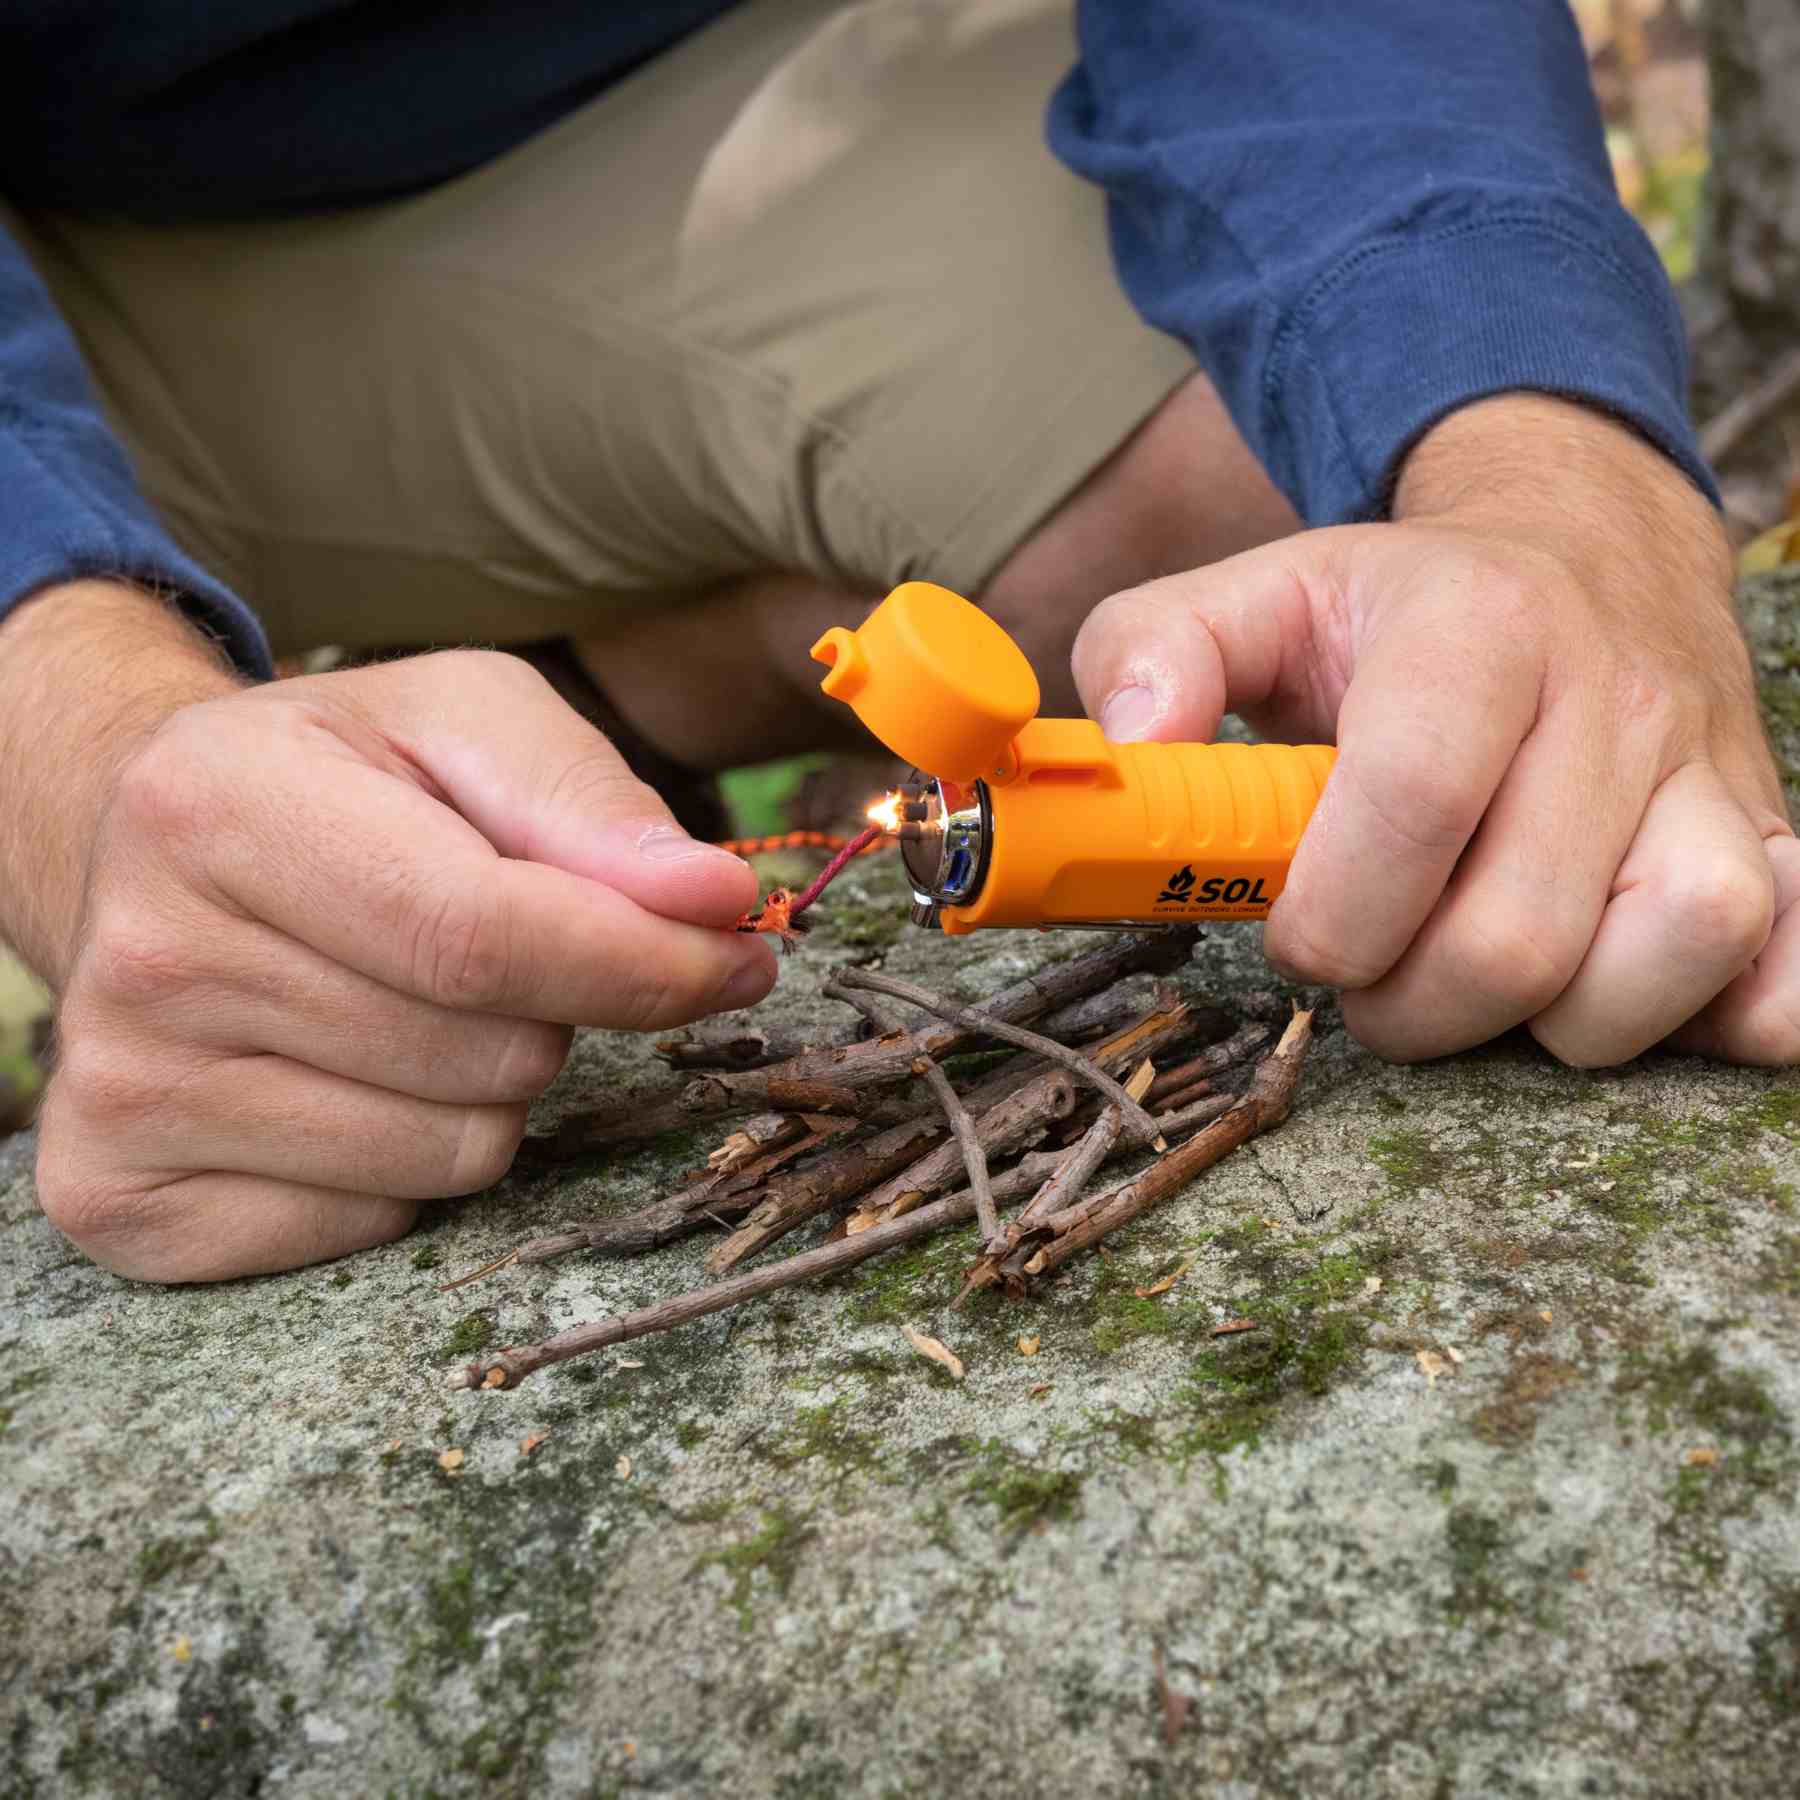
{"x":1500,"y":1499}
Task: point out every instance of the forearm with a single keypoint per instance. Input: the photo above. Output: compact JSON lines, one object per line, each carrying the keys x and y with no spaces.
{"x":88,"y":671}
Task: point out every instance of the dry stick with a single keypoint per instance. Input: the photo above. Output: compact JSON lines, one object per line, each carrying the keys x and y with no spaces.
{"x":1214,"y":1060}
{"x":1731,"y":426}
{"x":859,"y":1066}
{"x":963,"y":1127}
{"x":508,"y":1367}
{"x":1266,"y":1104}
{"x":734,"y":1190}
{"x":1143,"y":1126}
{"x":748,"y":1049}
{"x":1020,"y":1118}
{"x":881,"y":1021}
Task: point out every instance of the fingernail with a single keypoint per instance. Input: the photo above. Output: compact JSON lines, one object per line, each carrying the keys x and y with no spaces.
{"x":669,"y":843}
{"x":748,"y":985}
{"x":1129,"y":714}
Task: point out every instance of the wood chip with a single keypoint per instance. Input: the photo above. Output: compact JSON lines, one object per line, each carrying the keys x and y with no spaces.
{"x":1547,"y":1316}
{"x":1705,"y":1457}
{"x":1029,"y":1346}
{"x":450,"y":1461}
{"x":529,"y":1444}
{"x":629,"y":1362}
{"x":622,"y":1468}
{"x":938,"y":1353}
{"x":1431,"y":1366}
{"x":1232,"y":1325}
{"x":1167,"y":1282}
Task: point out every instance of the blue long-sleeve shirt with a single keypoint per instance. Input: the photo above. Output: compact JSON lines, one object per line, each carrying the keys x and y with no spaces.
{"x":1359,"y":214}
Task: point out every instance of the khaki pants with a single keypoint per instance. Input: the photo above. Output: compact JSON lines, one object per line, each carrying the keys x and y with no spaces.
{"x":806,"y":293}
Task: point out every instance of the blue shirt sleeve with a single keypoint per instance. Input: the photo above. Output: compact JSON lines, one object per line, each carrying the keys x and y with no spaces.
{"x":1364,"y":214}
{"x":69,"y":506}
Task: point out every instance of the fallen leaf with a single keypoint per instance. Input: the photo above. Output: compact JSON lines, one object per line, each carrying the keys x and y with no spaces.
{"x":1432,"y":1365}
{"x":1175,"y":1706}
{"x":1038,"y":1389}
{"x":1272,"y":1224}
{"x":1029,"y":1346}
{"x":939,"y":1353}
{"x":529,"y":1444}
{"x":622,"y":1468}
{"x":629,"y":1362}
{"x":1372,"y":1284}
{"x":182,"y":1650}
{"x":1703,"y":1458}
{"x":1167,"y":1282}
{"x":1231,"y":1325}
{"x":1578,"y":1575}
{"x":450,"y":1460}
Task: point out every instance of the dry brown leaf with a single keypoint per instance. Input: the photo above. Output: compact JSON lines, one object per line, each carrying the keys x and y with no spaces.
{"x":1175,"y":1706}
{"x":529,"y":1444}
{"x":1705,"y":1457}
{"x":938,"y":1353}
{"x":622,"y":1468}
{"x":1431,"y":1365}
{"x":450,"y":1460}
{"x":1029,"y":1346}
{"x":1038,"y":1389}
{"x":1167,"y":1282}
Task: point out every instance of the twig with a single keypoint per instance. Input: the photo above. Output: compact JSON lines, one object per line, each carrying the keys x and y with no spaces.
{"x":1214,"y":1060}
{"x":973,"y":1155}
{"x":734,"y":1188}
{"x":860,"y":1066}
{"x":1018,"y":1119}
{"x":881,"y":1021}
{"x":746,"y":1049}
{"x":1144,"y":1128}
{"x":1735,"y":422}
{"x":506,"y":1368}
{"x":1266,"y":1104}
{"x":493,"y":1268}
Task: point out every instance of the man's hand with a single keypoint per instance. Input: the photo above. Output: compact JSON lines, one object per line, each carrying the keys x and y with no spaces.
{"x":332,"y":937}
{"x":1553,"y":802}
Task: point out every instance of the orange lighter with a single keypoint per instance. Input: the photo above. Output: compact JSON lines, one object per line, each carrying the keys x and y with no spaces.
{"x":1016,"y":820}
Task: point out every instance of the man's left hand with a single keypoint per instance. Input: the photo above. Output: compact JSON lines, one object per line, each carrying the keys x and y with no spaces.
{"x":1554,"y":803}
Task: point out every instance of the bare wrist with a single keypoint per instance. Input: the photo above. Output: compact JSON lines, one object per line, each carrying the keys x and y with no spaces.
{"x":88,"y":671}
{"x":1586,"y":486}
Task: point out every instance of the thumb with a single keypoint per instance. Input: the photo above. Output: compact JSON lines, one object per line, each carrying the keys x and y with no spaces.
{"x":543,"y":786}
{"x":1166,"y":661}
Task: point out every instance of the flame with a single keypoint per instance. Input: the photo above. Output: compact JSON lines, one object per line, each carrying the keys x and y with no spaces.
{"x":885,"y":812}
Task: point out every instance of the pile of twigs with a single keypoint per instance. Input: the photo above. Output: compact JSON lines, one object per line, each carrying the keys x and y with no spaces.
{"x":876,"y":1131}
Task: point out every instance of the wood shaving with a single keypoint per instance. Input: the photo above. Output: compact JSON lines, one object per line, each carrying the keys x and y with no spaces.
{"x":529,"y":1444}
{"x":622,"y":1468}
{"x":1167,"y":1282}
{"x":629,"y":1362}
{"x":1141,"y":1077}
{"x":1547,"y":1316}
{"x":450,"y":1461}
{"x":1454,"y":1354}
{"x":938,"y":1353}
{"x":1705,"y":1457}
{"x":1030,"y":1346}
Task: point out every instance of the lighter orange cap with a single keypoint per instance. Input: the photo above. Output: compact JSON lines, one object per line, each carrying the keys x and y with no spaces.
{"x":935,"y":679}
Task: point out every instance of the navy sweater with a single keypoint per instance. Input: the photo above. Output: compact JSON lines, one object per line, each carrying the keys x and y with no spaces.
{"x":1359,"y":214}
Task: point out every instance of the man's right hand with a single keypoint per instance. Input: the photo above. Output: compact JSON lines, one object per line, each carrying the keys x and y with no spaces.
{"x":332,"y":935}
